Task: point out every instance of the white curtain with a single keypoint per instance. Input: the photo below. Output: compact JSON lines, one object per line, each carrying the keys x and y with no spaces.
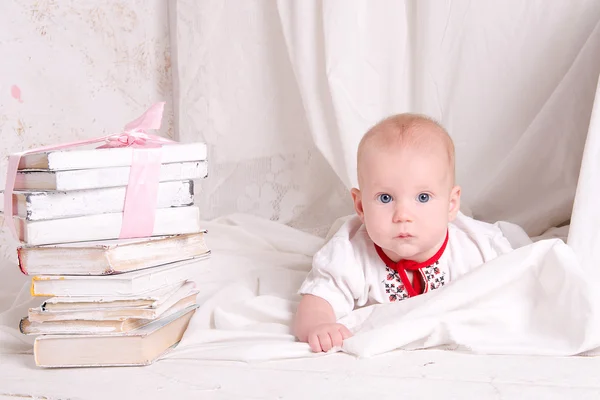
{"x":236,"y":90}
{"x":283,"y":91}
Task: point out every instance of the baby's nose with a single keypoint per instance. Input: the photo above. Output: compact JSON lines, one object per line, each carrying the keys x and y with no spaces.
{"x":402,"y":213}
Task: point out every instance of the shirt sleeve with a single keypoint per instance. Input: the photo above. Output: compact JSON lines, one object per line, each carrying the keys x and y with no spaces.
{"x":500,"y":245}
{"x":335,"y":276}
{"x":473,"y":244}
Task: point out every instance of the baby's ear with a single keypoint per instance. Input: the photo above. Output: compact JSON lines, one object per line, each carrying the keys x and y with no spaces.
{"x":358,"y":205}
{"x":454,"y":205}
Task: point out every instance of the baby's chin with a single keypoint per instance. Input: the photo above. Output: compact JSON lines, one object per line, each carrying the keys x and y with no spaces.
{"x":404,"y":251}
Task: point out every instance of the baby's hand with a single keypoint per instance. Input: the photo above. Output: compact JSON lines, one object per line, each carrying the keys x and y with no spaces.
{"x":326,"y":336}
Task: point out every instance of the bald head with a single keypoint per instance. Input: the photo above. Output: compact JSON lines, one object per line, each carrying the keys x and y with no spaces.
{"x":403,"y":131}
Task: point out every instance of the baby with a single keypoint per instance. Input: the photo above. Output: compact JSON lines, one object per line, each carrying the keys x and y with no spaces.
{"x":408,"y":237}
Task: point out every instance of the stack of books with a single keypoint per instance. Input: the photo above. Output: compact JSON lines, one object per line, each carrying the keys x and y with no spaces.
{"x":109,"y":301}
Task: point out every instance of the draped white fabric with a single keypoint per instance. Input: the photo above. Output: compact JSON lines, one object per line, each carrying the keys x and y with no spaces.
{"x":284,"y":90}
{"x":514,"y":82}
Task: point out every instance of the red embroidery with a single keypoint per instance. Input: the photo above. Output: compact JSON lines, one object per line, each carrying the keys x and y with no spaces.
{"x":394,"y":287}
{"x":400,"y":267}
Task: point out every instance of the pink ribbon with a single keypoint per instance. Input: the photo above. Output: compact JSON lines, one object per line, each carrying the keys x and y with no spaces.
{"x":142,"y":187}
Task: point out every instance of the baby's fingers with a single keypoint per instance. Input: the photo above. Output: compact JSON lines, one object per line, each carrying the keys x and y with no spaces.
{"x":313,"y":342}
{"x":336,"y":338}
{"x":325,"y":340}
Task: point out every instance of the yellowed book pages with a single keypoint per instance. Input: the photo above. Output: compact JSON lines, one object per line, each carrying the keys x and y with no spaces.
{"x":142,"y":346}
{"x":149,"y":299}
{"x":97,"y":326}
{"x":110,"y":256}
{"x":128,"y":284}
{"x":182,"y":298}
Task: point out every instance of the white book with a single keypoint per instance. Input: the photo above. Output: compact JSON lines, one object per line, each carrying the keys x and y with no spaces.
{"x":83,"y":326}
{"x":109,"y":256}
{"x":83,"y":157}
{"x":40,"y":205}
{"x":103,"y":177}
{"x":125,"y":321}
{"x":167,"y":221}
{"x":141,"y":346}
{"x":80,"y":327}
{"x":186,"y":294}
{"x":127,"y":284}
{"x":148,"y":300}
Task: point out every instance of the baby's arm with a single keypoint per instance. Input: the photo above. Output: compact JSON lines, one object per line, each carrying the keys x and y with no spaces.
{"x":329,"y":292}
{"x":315,"y":323}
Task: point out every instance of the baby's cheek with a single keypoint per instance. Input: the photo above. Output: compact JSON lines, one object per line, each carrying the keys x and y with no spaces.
{"x":376,"y":227}
{"x":373,"y":214}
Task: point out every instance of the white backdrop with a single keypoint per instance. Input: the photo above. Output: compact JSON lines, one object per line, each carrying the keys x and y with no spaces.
{"x":283,"y":91}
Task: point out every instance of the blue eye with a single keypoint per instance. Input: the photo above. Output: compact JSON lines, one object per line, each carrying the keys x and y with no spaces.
{"x":423,"y":198}
{"x":384,"y":198}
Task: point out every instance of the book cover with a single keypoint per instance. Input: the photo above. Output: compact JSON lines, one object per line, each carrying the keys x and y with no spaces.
{"x":81,"y":179}
{"x":110,"y":256}
{"x":167,"y":221}
{"x":34,"y":205}
{"x":88,"y":156}
{"x":139,"y":347}
{"x":183,"y":297}
{"x":148,"y":299}
{"x":128,"y":284}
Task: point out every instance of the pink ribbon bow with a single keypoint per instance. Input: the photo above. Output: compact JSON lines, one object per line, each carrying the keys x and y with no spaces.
{"x":142,"y":187}
{"x":125,"y":139}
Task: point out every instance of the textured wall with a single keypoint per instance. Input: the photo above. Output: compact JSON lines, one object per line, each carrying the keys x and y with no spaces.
{"x":76,"y":69}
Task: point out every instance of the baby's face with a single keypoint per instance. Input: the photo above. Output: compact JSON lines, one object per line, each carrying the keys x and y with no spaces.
{"x":406,"y":200}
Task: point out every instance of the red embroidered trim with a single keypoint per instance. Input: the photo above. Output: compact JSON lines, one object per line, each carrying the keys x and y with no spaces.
{"x":403,"y":265}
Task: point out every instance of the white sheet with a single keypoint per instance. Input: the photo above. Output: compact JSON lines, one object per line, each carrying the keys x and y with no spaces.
{"x":535,"y":300}
{"x":584,"y":233}
{"x":247,"y":290}
{"x":514,"y":89}
{"x":538,"y":300}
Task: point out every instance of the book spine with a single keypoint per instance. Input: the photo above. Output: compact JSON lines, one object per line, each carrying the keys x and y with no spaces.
{"x":110,"y":268}
{"x":168,"y":221}
{"x":33,"y":290}
{"x":66,"y":204}
{"x":22,"y":265}
{"x":21,"y":329}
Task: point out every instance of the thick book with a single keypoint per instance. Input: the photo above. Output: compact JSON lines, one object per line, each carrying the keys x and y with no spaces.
{"x":76,"y":327}
{"x":83,"y":157}
{"x":95,"y":326}
{"x":184,"y":296}
{"x":167,"y":221}
{"x":34,"y":205}
{"x":148,"y":299}
{"x":82,"y":179}
{"x":110,"y":256}
{"x":127,"y":284}
{"x":142,"y":346}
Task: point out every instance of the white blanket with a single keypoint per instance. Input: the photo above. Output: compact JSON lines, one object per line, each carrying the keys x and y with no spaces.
{"x":535,"y":300}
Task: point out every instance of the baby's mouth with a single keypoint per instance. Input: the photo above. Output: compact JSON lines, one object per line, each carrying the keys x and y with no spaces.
{"x":404,"y":236}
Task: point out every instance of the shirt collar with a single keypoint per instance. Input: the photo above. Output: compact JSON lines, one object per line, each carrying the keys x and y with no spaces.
{"x":402,"y":266}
